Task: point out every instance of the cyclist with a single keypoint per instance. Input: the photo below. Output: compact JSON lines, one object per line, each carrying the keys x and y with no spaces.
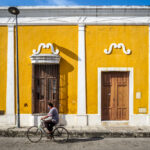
{"x":52,"y":118}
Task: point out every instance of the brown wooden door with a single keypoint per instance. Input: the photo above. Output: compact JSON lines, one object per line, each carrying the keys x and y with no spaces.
{"x":115,"y":96}
{"x":45,"y":87}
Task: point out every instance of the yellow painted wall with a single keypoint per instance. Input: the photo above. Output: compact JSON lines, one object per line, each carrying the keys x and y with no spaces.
{"x":65,"y":38}
{"x":100,"y":37}
{"x":3,"y":66}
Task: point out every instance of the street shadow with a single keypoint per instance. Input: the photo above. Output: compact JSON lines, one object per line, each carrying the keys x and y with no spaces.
{"x":75,"y":140}
{"x":79,"y":140}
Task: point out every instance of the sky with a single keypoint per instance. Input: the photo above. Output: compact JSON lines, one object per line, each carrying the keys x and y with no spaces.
{"x":71,"y":2}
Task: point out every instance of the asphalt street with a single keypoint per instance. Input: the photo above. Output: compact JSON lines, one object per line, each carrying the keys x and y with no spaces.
{"x":77,"y":144}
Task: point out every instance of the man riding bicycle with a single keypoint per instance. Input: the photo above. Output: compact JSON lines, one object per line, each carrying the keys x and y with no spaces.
{"x":52,"y":118}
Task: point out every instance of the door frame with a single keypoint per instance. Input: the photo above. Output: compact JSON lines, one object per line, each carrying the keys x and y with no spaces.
{"x":131,"y":88}
{"x":33,"y":87}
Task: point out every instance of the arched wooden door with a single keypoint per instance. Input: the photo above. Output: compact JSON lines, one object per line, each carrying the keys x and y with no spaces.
{"x":45,"y":87}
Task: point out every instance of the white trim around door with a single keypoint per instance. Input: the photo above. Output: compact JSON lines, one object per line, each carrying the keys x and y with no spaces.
{"x":131,"y":87}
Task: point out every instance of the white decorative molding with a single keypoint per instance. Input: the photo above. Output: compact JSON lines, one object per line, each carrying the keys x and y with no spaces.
{"x":81,"y":106}
{"x":47,"y":46}
{"x":38,"y":58}
{"x":45,"y":59}
{"x":131,"y":88}
{"x":120,"y":45}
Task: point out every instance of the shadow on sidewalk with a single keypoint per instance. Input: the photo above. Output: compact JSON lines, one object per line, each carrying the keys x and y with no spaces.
{"x":75,"y":140}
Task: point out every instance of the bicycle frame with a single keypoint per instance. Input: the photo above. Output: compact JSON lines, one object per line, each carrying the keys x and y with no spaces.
{"x":41,"y":127}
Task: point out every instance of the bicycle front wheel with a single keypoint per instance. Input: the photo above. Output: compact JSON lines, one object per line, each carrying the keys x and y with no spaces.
{"x":34,"y":134}
{"x":60,"y":134}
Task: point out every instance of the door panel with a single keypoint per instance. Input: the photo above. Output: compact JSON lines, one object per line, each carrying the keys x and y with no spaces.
{"x":107,"y":94}
{"x":122,"y":86}
{"x":40,"y":95}
{"x":52,"y":91}
{"x":115,"y":96}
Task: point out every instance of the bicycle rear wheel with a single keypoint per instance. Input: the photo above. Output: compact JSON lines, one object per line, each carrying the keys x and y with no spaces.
{"x":34,"y":134}
{"x":60,"y":134}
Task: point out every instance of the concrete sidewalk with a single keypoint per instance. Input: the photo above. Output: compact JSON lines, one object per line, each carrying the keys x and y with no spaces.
{"x":123,"y":131}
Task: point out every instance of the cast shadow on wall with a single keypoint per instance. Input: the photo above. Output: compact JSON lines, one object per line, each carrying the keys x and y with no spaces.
{"x":65,"y":68}
{"x":67,"y":52}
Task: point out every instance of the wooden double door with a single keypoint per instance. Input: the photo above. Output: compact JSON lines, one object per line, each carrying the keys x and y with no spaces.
{"x":45,"y":87}
{"x":115,"y":95}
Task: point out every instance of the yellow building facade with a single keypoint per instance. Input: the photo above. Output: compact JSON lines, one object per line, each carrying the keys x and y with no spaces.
{"x":94,"y":67}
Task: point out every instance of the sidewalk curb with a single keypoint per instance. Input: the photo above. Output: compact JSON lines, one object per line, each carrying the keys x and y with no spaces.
{"x":108,"y":134}
{"x":83,"y":134}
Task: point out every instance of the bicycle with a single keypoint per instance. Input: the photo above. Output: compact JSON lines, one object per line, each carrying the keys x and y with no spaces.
{"x":58,"y":134}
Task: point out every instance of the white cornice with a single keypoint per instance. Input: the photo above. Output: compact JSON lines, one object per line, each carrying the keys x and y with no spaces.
{"x":74,"y":15}
{"x":76,"y":21}
{"x":73,"y":11}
